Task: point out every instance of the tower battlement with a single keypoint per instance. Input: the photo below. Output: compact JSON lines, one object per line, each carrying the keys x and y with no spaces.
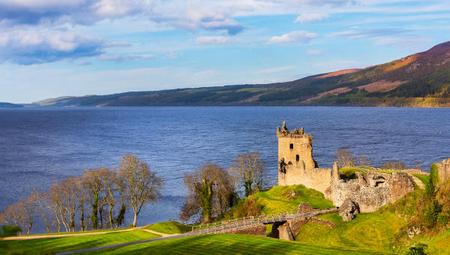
{"x":283,"y":131}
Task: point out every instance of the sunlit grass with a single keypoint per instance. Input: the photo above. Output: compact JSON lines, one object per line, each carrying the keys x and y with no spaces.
{"x":282,"y":199}
{"x":58,"y":244}
{"x":230,"y":244}
{"x":169,"y":227}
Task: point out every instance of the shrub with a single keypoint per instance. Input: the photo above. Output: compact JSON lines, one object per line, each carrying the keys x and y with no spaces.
{"x":431,"y":213}
{"x":418,"y":249}
{"x":247,"y":207}
{"x":394,"y":164}
{"x":9,"y":230}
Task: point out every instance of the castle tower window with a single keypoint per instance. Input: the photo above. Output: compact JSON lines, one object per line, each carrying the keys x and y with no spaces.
{"x":297,"y":157}
{"x":291,"y":146}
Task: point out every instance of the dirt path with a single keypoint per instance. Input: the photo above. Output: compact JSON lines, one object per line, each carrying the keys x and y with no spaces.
{"x":157,"y":233}
{"x":30,"y":237}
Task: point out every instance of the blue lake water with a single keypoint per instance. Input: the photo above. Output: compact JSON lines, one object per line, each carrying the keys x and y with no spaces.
{"x":40,"y":146}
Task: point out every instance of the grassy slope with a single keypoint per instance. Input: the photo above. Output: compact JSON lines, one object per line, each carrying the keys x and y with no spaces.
{"x":169,"y":227}
{"x":52,"y":245}
{"x":229,"y":244}
{"x":281,"y":199}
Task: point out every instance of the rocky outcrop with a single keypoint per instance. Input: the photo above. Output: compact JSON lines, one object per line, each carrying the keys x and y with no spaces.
{"x":348,"y":210}
{"x":371,"y":190}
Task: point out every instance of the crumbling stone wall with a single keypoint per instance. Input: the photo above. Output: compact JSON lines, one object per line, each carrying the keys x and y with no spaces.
{"x":371,"y":190}
{"x":252,"y":230}
{"x":444,"y":171}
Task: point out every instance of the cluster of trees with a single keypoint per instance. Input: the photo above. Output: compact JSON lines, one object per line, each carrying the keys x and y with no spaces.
{"x":213,"y":190}
{"x":100,"y":198}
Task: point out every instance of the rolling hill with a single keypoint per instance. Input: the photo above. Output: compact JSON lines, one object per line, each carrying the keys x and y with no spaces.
{"x":422,"y":79}
{"x":8,"y":105}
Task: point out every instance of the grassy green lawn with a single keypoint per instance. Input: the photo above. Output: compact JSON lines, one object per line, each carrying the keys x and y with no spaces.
{"x":230,"y":244}
{"x":169,"y":227}
{"x":58,"y":244}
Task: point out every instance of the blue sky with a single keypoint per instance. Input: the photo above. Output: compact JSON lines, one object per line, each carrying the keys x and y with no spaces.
{"x":53,"y":48}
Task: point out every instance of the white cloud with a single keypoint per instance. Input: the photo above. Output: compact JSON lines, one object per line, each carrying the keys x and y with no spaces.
{"x":385,"y":36}
{"x":311,"y":17}
{"x":219,"y":16}
{"x":294,"y":36}
{"x":31,"y":46}
{"x":213,"y":39}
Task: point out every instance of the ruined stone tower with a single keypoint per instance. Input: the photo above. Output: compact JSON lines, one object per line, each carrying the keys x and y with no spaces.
{"x":296,"y":164}
{"x":369,"y":189}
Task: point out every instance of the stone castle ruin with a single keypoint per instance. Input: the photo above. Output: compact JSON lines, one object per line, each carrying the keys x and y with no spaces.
{"x":368,"y":190}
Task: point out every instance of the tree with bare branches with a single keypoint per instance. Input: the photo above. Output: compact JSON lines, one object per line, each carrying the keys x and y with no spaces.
{"x":20,"y":214}
{"x":141,"y":185}
{"x":345,"y":158}
{"x":65,"y":198}
{"x":43,"y":209}
{"x":248,"y":169}
{"x":211,"y":193}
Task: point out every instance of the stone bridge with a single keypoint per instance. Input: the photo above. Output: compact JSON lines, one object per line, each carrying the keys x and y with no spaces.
{"x":281,"y":224}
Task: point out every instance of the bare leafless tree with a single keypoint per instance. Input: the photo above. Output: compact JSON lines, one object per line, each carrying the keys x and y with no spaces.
{"x":394,"y":164}
{"x":345,"y":158}
{"x":43,"y":208}
{"x":248,"y":168}
{"x":20,"y":214}
{"x":141,"y":184}
{"x":57,"y":205}
{"x":211,"y":192}
{"x":65,"y":198}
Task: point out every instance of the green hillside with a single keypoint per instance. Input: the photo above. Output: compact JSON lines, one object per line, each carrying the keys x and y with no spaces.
{"x":170,"y":227}
{"x":421,"y":79}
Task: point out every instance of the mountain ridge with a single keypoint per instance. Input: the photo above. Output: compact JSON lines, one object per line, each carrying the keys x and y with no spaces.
{"x":421,"y":79}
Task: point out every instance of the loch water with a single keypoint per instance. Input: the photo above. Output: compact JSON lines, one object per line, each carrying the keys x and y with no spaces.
{"x":39,"y":146}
